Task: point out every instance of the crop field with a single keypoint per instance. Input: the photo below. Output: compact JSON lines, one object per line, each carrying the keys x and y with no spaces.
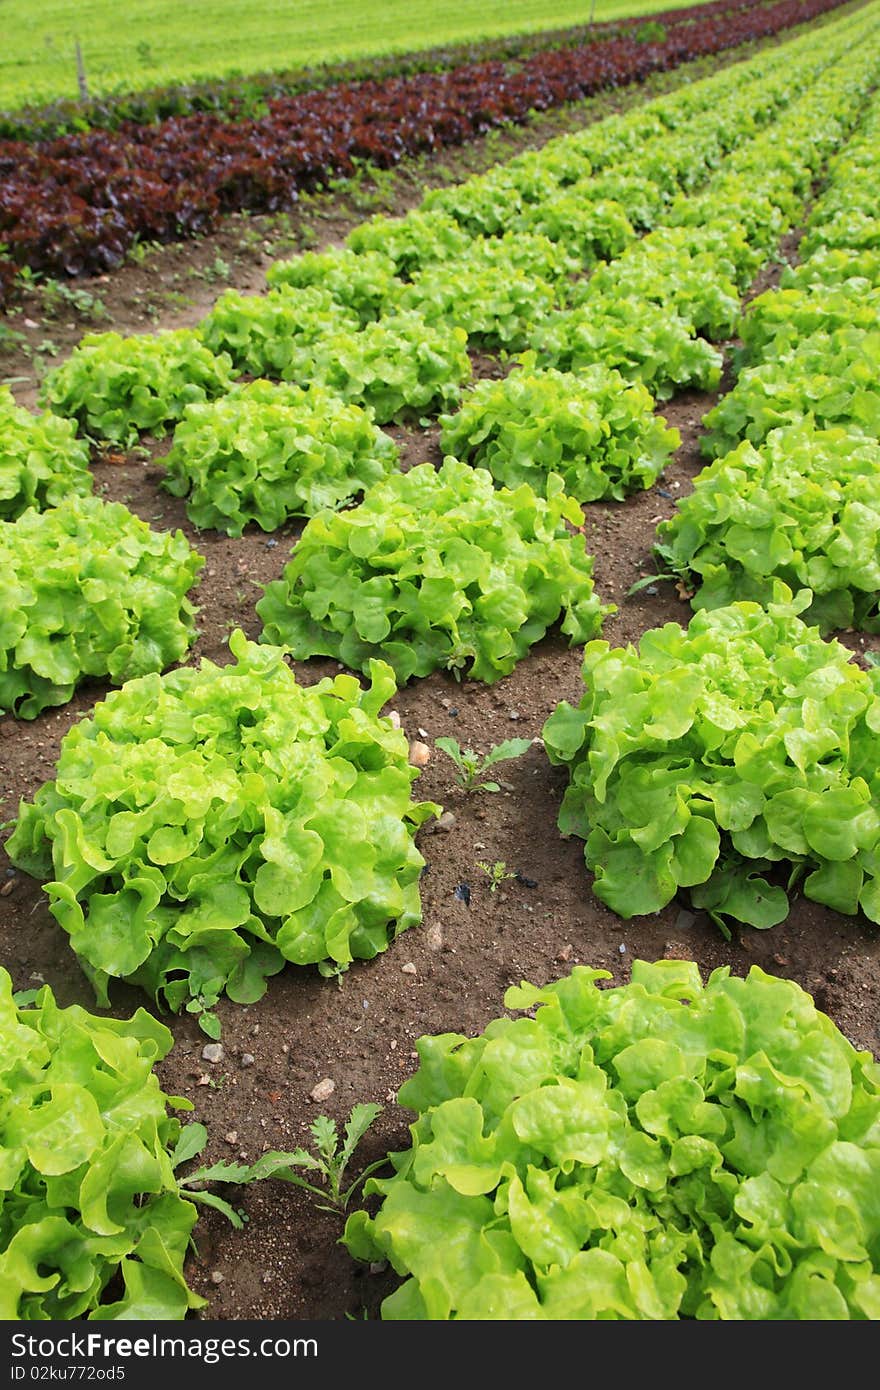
{"x":163,"y":42}
{"x":440,"y":702}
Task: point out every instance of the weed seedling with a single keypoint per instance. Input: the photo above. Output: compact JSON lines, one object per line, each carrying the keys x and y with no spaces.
{"x":496,"y":873}
{"x":329,"y":1162}
{"x":473,"y":766}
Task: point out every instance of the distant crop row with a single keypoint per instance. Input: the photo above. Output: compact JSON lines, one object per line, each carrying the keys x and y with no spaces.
{"x":240,"y":97}
{"x":75,"y":205}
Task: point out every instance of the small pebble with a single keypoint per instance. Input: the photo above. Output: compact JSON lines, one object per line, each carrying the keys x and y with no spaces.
{"x":394,"y":719}
{"x":213,"y":1052}
{"x":231,"y":1137}
{"x":247,"y":1059}
{"x":442,"y":825}
{"x":434,"y":937}
{"x":7,"y":887}
{"x":565,"y":952}
{"x":408,"y":969}
{"x":622,"y":949}
{"x":652,"y":591}
{"x":513,"y":714}
{"x":323,"y":1090}
{"x":216,"y":1276}
{"x":271,"y":543}
{"x":419,"y":754}
{"x":378,"y":1266}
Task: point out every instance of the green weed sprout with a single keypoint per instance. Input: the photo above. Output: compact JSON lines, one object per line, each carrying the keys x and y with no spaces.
{"x":472,"y":766}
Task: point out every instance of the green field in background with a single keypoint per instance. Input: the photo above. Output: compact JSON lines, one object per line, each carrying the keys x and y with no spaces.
{"x":162,"y":42}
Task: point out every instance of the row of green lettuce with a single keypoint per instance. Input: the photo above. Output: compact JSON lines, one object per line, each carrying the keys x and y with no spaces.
{"x":738,"y":759}
{"x":267,"y":451}
{"x":658,"y":1151}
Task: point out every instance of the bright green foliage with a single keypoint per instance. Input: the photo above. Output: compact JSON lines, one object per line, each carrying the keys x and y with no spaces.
{"x":436,"y":570}
{"x":677,"y":269}
{"x":804,"y":508}
{"x":829,"y":377}
{"x":710,"y":755}
{"x":117,"y":388}
{"x":205,"y":826}
{"x":734,"y":200}
{"x":365,"y":283}
{"x":661,"y":1150}
{"x":264,"y":333}
{"x":640,"y":198}
{"x":853,"y":230}
{"x":590,"y":231}
{"x":528,"y":252}
{"x":41,"y":460}
{"x":643,"y":341}
{"x":412,"y":242}
{"x":88,"y":1192}
{"x":497,"y":305}
{"x":266,"y":453}
{"x":855,"y":271}
{"x":395,"y":367}
{"x":471,"y":766}
{"x":596,"y":430}
{"x":87,"y":589}
{"x":778,"y":320}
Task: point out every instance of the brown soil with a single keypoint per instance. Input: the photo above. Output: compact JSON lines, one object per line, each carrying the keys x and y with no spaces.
{"x":450,"y":973}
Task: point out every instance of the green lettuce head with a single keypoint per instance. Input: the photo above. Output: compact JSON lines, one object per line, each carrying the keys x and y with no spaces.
{"x":662,"y":1150}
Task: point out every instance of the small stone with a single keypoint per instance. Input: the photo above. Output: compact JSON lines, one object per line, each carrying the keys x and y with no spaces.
{"x":323,"y":1090}
{"x":622,"y":949}
{"x":231,"y":1137}
{"x":378,"y":1266}
{"x":393,"y":1044}
{"x":419,"y":754}
{"x":29,"y":323}
{"x":204,"y":1079}
{"x":216,"y":1276}
{"x":513,"y":714}
{"x":408,"y":969}
{"x":394,"y":718}
{"x":271,"y":543}
{"x":434,"y":937}
{"x":565,"y":952}
{"x":423,"y":733}
{"x":247,"y":1059}
{"x":675,"y":950}
{"x":443,"y":824}
{"x":213,"y":1052}
{"x":255,"y":1030}
{"x":446,"y":703}
{"x":8,"y":887}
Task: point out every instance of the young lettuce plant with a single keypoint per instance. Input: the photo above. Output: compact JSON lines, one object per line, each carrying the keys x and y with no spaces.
{"x":472,"y":766}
